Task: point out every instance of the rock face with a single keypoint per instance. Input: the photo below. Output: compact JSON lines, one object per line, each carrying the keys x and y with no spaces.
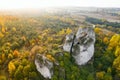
{"x":81,"y":45}
{"x":44,"y":66}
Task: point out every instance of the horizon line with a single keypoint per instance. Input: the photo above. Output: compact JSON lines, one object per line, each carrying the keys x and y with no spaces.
{"x":59,"y":7}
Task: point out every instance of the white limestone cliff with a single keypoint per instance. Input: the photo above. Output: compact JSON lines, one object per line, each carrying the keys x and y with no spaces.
{"x":81,"y":45}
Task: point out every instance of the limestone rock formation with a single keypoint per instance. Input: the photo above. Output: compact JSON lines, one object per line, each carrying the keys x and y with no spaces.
{"x":44,"y":66}
{"x":81,"y":45}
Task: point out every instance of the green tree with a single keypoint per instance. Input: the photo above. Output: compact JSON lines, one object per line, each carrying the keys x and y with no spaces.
{"x":18,"y":74}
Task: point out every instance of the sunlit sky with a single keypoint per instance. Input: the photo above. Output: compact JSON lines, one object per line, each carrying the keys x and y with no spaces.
{"x":15,"y":4}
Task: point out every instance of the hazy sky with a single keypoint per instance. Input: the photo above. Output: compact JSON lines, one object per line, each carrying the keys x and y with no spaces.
{"x":14,"y":4}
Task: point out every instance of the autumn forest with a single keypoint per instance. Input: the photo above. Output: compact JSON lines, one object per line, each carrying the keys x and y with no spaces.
{"x":23,"y":36}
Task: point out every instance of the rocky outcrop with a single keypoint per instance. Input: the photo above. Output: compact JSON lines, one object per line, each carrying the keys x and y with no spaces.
{"x":44,"y":66}
{"x":81,"y":45}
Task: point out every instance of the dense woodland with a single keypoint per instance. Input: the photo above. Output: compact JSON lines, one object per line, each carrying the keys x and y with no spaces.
{"x":102,"y":22}
{"x":19,"y":35}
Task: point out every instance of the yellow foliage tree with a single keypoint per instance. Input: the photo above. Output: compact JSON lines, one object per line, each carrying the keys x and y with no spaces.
{"x":50,"y":57}
{"x":114,"y":41}
{"x":1,"y":35}
{"x":116,"y":63}
{"x":65,"y":31}
{"x":100,"y":75}
{"x":68,"y":31}
{"x":2,"y":26}
{"x":10,"y":56}
{"x":115,"y":44}
{"x":49,"y":39}
{"x":3,"y":29}
{"x":97,"y":30}
{"x":106,"y":40}
{"x":62,"y":32}
{"x":14,"y":29}
{"x":117,"y":51}
{"x":11,"y":68}
{"x":3,"y":57}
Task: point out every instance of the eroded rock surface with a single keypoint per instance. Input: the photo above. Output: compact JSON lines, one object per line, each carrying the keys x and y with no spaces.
{"x":81,"y":44}
{"x":44,"y":66}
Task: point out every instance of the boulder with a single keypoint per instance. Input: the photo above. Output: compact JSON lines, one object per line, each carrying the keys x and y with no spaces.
{"x":44,"y":66}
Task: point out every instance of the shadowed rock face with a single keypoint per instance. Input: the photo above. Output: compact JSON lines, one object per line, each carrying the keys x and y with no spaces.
{"x":68,"y":42}
{"x":81,"y":45}
{"x":44,"y":66}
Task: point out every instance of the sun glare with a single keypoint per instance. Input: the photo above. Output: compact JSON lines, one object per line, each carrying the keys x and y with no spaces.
{"x":15,"y":4}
